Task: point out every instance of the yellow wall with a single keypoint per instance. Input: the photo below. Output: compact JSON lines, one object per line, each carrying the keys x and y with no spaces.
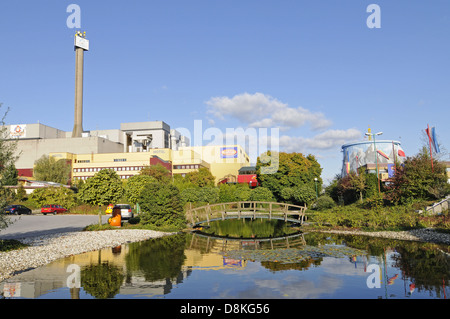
{"x":184,"y":160}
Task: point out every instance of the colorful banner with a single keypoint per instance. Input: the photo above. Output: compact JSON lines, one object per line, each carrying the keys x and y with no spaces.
{"x":228,"y":152}
{"x":383,"y":154}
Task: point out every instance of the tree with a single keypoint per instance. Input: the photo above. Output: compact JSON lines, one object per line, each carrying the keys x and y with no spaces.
{"x":103,"y":188}
{"x":158,"y":172}
{"x":9,"y":175}
{"x":300,"y":195}
{"x":200,"y":194}
{"x":134,"y":186}
{"x":294,"y":169}
{"x":261,"y":194}
{"x":415,"y":179}
{"x":233,"y":192}
{"x":49,"y":169}
{"x":54,"y":196}
{"x":162,"y":206}
{"x":358,"y":183}
{"x":201,"y":178}
{"x":7,"y":159}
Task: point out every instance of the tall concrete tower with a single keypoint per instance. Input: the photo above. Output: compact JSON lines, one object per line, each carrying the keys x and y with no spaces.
{"x":81,"y":45}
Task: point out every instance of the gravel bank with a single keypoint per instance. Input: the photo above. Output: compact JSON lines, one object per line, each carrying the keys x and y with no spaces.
{"x":45,"y":249}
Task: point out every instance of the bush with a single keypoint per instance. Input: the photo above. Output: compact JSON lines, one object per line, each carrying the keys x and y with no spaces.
{"x":200,"y":194}
{"x":234,"y":193}
{"x":299,"y":195}
{"x":352,"y":216}
{"x":324,"y":202}
{"x":261,"y":194}
{"x":162,"y":206}
{"x":54,"y":196}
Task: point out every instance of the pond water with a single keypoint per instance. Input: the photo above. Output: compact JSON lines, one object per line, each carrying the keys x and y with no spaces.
{"x":288,"y":265}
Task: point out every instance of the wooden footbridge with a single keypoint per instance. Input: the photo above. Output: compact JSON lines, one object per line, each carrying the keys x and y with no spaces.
{"x":222,"y":211}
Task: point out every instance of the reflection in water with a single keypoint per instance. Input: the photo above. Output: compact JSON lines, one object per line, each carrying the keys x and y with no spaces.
{"x":194,"y":265}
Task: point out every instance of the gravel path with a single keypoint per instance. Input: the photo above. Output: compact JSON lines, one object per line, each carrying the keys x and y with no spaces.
{"x":45,"y":249}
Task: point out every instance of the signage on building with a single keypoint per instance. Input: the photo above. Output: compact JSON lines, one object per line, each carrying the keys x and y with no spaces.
{"x":229,"y":152}
{"x":18,"y":131}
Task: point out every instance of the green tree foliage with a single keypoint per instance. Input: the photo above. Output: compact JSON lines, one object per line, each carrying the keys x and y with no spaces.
{"x":162,"y":206}
{"x":102,"y":280}
{"x":300,"y":195}
{"x":416,"y":179}
{"x":294,"y":170}
{"x":54,"y":196}
{"x":200,"y":194}
{"x":324,"y":202}
{"x":134,"y":186}
{"x":157,"y":259}
{"x":9,"y":175}
{"x":49,"y":169}
{"x":234,"y":193}
{"x":261,"y":194}
{"x":158,"y":172}
{"x":201,"y":178}
{"x":105,"y":187}
{"x":7,"y":159}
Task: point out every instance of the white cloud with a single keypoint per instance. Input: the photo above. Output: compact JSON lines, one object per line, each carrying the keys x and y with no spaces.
{"x":261,"y":110}
{"x":323,"y":141}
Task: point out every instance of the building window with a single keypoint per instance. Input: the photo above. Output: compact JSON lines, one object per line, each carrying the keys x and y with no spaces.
{"x":120,"y":160}
{"x":83,"y":161}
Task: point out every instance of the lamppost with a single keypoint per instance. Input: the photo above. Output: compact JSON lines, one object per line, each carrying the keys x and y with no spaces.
{"x":376,"y":155}
{"x":315,"y":182}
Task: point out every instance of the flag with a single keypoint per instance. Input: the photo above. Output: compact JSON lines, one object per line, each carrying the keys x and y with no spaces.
{"x":432,"y":137}
{"x":434,"y":140}
{"x":401,"y":153}
{"x":383,"y":154}
{"x":347,"y":163}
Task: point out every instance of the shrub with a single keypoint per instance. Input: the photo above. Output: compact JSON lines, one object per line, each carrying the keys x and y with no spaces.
{"x":261,"y":194}
{"x":54,"y":196}
{"x":200,"y":194}
{"x":161,"y":205}
{"x":324,"y":202}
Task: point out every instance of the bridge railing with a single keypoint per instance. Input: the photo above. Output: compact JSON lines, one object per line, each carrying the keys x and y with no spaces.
{"x":245,"y":209}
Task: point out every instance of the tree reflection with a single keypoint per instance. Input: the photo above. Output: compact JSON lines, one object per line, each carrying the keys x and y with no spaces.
{"x":424,"y":264}
{"x":159,"y":258}
{"x":101,"y":280}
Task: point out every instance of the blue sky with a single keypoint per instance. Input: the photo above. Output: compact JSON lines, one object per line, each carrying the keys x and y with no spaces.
{"x":312,"y":68}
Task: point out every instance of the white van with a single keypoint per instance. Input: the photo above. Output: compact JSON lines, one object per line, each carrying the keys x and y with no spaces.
{"x":125,"y":211}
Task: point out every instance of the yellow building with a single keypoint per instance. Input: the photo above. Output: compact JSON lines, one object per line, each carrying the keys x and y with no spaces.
{"x":220,"y":160}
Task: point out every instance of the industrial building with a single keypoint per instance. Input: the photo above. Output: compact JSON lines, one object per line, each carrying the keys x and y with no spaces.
{"x":126,"y":150}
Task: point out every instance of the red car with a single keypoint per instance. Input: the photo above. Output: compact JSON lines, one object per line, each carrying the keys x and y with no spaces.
{"x":53,"y":209}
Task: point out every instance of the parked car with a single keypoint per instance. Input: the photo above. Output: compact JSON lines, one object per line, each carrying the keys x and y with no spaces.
{"x":53,"y":209}
{"x":125,"y":211}
{"x":17,"y":210}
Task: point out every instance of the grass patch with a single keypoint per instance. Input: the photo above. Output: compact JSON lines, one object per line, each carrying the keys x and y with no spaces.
{"x":11,"y":244}
{"x":393,"y":218}
{"x":132,"y":223}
